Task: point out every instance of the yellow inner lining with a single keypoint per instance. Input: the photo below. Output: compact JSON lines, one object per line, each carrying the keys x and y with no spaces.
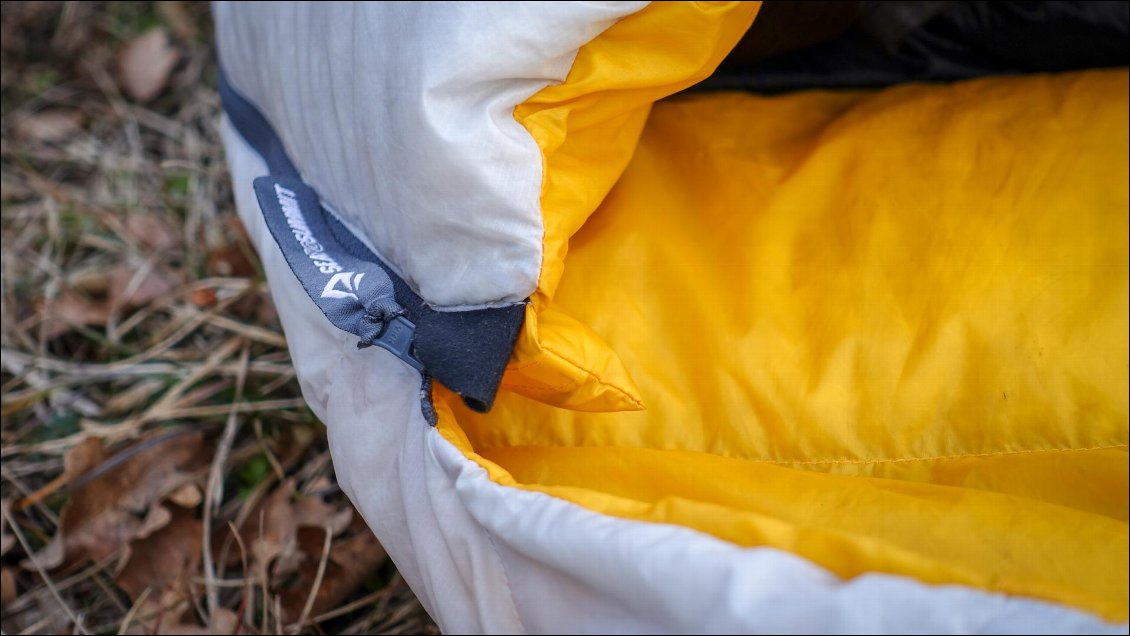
{"x":587,"y":128}
{"x":883,"y":331}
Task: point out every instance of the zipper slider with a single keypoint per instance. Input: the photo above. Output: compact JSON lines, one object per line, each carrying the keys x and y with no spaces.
{"x":397,"y":338}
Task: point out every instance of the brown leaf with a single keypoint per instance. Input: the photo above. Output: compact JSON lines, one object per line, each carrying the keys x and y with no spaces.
{"x":271,"y":533}
{"x":84,"y":456}
{"x":352,"y":560}
{"x":224,"y":621}
{"x":95,"y":295}
{"x":257,"y":309}
{"x":230,"y":260}
{"x":8,"y":591}
{"x":49,"y":126}
{"x":106,"y":513}
{"x":79,"y":459}
{"x":92,"y":281}
{"x":151,"y":231}
{"x":165,"y":561}
{"x":158,"y":517}
{"x":187,"y":496}
{"x":204,"y":297}
{"x":133,"y":288}
{"x":72,"y":309}
{"x":144,"y":64}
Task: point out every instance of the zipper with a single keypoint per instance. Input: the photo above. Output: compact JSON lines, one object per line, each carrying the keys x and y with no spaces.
{"x":398,"y":338}
{"x":467,"y":351}
{"x":357,"y":295}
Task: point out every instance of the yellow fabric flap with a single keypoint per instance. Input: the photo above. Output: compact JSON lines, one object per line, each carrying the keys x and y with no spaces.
{"x":560,"y":361}
{"x":587,"y":129}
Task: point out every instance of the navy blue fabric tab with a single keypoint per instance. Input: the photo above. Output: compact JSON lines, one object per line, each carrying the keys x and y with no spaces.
{"x":466,"y":351}
{"x":356,"y":295}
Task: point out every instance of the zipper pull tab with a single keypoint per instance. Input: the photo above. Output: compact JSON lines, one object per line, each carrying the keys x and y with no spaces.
{"x":397,"y":338}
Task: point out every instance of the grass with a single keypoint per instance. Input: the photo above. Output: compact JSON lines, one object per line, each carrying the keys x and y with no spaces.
{"x":159,"y":465}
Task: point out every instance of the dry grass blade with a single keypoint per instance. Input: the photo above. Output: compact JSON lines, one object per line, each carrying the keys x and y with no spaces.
{"x":50,"y":126}
{"x":132,"y":613}
{"x":43,"y":575}
{"x":214,"y":493}
{"x":313,"y":596}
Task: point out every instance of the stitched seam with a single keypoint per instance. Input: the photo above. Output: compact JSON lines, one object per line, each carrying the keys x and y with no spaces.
{"x":834,"y":461}
{"x":525,"y":114}
{"x":522,"y":365}
{"x":431,"y":436}
{"x":567,"y":384}
{"x":505,"y":579}
{"x":541,"y":388}
{"x":545,"y":388}
{"x":594,"y":376}
{"x":493,"y":304}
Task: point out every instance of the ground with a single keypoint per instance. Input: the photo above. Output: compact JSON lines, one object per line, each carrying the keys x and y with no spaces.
{"x":160,"y":473}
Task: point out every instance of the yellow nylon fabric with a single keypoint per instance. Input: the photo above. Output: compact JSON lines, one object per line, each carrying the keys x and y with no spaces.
{"x":587,"y":128}
{"x":886,"y":331}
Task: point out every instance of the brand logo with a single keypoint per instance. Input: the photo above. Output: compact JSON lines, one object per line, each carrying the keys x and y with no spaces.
{"x":288,"y":201}
{"x":350,"y":283}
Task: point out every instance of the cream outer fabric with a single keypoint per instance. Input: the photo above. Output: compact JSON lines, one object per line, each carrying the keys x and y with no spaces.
{"x":400,"y":114}
{"x":488,"y":558}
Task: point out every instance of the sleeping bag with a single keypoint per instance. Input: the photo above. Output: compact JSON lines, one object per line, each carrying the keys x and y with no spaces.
{"x":599,"y":354}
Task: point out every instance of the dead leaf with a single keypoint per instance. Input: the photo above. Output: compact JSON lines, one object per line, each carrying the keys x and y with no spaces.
{"x":224,"y":621}
{"x":158,"y":517}
{"x":69,"y":310}
{"x":187,"y":496}
{"x":144,"y":64}
{"x":271,"y":533}
{"x":104,"y":515}
{"x":81,"y":458}
{"x":49,"y":126}
{"x":84,"y":456}
{"x":92,"y":281}
{"x":95,"y":295}
{"x":8,"y":590}
{"x":204,"y":297}
{"x":165,"y":561}
{"x":230,"y":260}
{"x":352,"y":560}
{"x":131,"y":288}
{"x":151,"y":231}
{"x":256,"y":309}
